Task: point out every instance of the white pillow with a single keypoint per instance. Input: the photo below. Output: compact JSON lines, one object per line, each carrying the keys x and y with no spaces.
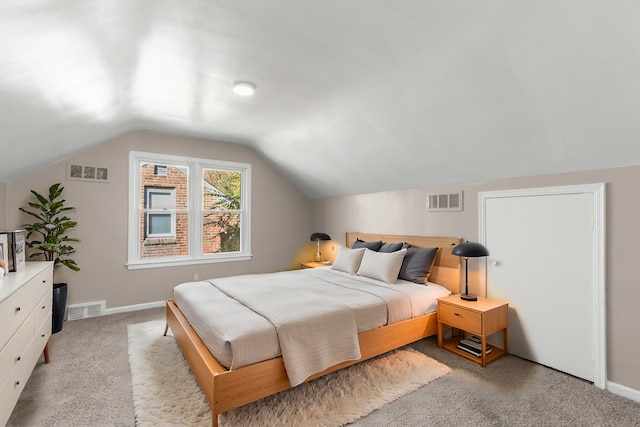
{"x":348,"y":260}
{"x":382,"y":266}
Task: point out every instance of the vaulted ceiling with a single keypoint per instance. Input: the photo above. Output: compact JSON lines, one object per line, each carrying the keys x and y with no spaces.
{"x":352,"y":96}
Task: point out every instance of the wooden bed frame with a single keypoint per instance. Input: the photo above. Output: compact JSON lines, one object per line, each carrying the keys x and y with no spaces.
{"x":227,"y":389}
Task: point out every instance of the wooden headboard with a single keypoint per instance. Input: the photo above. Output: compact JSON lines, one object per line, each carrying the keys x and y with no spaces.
{"x":446,"y":267}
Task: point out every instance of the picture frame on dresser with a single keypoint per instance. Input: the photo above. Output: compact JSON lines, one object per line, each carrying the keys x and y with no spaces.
{"x":19,"y":246}
{"x":4,"y":254}
{"x":15,"y":250}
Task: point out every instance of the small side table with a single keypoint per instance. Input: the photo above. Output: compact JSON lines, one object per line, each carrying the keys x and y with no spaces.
{"x":314,"y":264}
{"x":481,"y":318}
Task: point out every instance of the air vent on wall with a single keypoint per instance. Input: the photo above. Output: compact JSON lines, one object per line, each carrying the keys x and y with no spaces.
{"x":445,"y":202}
{"x":88,"y":173}
{"x":85,"y":310}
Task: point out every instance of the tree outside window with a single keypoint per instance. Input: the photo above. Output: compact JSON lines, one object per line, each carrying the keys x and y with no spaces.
{"x":221,"y":207}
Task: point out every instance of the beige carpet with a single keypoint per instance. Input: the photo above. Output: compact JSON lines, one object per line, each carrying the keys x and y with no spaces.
{"x":166,"y":393}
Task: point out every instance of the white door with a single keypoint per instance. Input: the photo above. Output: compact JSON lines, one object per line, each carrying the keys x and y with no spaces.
{"x":544,"y":262}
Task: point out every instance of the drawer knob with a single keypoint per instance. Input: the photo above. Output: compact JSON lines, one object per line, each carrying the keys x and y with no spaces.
{"x":17,"y":309}
{"x":18,"y":382}
{"x":44,"y":306}
{"x":18,"y":358}
{"x":43,"y":335}
{"x":456,"y":314}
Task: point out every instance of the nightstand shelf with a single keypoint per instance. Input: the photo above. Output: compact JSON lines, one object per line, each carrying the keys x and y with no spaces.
{"x":451,"y":344}
{"x":480,"y":318}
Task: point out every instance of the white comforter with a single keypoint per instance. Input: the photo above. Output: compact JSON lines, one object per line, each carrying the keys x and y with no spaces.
{"x":310,"y":317}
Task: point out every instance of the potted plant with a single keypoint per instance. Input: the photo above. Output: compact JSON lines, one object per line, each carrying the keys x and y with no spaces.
{"x":52,"y":242}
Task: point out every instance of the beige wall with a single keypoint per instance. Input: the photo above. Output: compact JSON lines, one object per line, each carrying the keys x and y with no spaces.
{"x":280,"y":220}
{"x":404,"y":212}
{"x":3,"y":206}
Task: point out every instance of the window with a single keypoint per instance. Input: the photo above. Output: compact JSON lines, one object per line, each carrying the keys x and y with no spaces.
{"x":185,"y":210}
{"x":160,"y":217}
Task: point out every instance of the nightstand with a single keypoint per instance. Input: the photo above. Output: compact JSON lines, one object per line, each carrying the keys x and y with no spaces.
{"x":314,"y":264}
{"x":480,"y":318}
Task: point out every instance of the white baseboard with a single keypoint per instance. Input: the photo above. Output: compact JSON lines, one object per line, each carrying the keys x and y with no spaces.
{"x":135,"y":307}
{"x":624,"y":391}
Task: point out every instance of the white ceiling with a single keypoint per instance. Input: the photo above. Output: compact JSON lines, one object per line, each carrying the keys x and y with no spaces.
{"x":353,"y":96}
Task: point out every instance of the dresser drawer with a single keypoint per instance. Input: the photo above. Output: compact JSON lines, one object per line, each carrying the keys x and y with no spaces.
{"x":460,"y":318}
{"x":17,"y":307}
{"x":13,"y":354}
{"x":44,"y":307}
{"x":9,"y":394}
{"x":41,"y":338}
{"x":15,"y":310}
{"x":41,"y":284}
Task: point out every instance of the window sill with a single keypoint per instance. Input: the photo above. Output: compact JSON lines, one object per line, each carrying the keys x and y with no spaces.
{"x":140,"y":265}
{"x":158,"y":241}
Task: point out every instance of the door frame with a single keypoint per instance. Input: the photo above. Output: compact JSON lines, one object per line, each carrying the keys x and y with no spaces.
{"x":599,"y":356}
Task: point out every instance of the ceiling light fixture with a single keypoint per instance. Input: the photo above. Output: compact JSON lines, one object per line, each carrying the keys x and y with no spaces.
{"x":244,"y":88}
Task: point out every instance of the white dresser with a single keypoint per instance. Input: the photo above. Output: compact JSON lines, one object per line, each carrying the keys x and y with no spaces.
{"x":25,"y":328}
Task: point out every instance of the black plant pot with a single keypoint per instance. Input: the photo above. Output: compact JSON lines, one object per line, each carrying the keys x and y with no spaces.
{"x":59,"y":306}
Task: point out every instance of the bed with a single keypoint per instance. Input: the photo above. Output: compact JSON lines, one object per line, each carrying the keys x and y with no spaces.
{"x":229,"y":388}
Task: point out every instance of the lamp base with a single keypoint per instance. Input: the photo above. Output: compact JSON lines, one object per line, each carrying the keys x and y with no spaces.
{"x":468,"y":297}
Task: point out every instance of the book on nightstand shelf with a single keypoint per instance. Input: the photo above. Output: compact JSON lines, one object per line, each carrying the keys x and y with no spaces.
{"x":473,"y":346}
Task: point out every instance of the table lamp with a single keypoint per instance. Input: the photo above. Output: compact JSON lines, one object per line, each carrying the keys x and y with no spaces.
{"x":466,"y":250}
{"x":318,"y":237}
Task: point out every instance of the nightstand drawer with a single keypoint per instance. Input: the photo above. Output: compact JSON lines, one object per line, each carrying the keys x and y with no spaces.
{"x":460,"y":318}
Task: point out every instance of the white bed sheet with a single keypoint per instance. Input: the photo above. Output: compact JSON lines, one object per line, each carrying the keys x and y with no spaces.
{"x":237,"y":336}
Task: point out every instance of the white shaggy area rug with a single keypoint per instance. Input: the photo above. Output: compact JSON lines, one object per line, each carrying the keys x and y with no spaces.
{"x":166,"y":393}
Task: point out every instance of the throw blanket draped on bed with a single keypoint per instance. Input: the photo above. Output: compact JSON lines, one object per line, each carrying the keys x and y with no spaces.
{"x":315,"y":329}
{"x":229,"y":316}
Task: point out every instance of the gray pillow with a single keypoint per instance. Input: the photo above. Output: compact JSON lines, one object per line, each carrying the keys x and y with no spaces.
{"x":417,"y":263}
{"x":374,"y":246}
{"x":390,"y":247}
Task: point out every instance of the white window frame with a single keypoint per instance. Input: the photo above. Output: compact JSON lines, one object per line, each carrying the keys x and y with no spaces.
{"x":195,"y":178}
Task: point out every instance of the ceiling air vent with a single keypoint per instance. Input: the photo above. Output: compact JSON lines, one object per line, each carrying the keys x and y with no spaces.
{"x":448,"y":202}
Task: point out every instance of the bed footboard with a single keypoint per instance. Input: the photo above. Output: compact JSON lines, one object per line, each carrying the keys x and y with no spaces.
{"x":204,"y":367}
